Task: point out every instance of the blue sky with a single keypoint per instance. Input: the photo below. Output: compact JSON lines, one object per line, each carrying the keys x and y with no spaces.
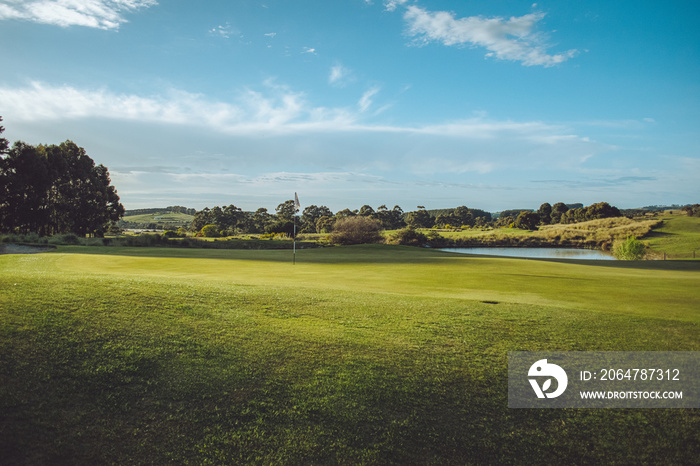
{"x":493,"y":105}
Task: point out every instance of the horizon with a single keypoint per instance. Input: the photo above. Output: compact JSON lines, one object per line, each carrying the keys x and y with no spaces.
{"x":409,"y":210}
{"x":395,"y":102}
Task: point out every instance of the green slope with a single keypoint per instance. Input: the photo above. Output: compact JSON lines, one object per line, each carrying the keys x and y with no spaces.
{"x":358,"y":355}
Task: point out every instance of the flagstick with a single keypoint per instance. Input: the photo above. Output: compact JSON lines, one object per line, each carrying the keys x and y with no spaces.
{"x":294,"y":240}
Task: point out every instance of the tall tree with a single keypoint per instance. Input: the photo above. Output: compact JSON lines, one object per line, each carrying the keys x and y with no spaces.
{"x":545,"y":213}
{"x":56,"y":189}
{"x":286,"y":210}
{"x":419,"y":218}
{"x":558,"y":210}
{"x":82,"y":199}
{"x":310,"y":216}
{"x":24,"y":186}
{"x":3,"y":142}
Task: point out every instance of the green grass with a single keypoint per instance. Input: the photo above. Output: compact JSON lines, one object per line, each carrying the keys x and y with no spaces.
{"x":368,"y":354}
{"x":678,"y":236}
{"x":165,"y":217}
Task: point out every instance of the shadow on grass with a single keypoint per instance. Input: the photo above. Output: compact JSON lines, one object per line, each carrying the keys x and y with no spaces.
{"x":356,"y":254}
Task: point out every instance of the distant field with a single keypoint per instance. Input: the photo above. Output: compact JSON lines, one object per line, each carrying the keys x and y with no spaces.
{"x":678,"y":237}
{"x":175,"y":218}
{"x":355,"y":355}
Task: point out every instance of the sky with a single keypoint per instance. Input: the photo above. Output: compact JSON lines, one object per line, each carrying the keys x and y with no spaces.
{"x":490,"y":104}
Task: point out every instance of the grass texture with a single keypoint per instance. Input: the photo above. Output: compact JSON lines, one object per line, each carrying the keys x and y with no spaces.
{"x":355,"y":355}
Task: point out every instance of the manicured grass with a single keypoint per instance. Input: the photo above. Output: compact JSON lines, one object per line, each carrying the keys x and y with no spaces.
{"x":367,"y":354}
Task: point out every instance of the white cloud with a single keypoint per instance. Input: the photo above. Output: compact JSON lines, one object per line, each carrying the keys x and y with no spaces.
{"x":310,"y":50}
{"x":273,"y":126}
{"x":391,"y":5}
{"x":273,"y":109}
{"x":339,"y":75}
{"x":506,"y":39}
{"x":366,"y":100}
{"x":100,"y":14}
{"x":224,"y":31}
{"x":278,"y":109}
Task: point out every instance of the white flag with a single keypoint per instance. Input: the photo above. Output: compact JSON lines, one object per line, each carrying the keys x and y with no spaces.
{"x":297,"y":206}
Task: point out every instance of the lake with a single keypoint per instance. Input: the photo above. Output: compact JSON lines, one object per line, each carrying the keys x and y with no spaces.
{"x":539,"y":253}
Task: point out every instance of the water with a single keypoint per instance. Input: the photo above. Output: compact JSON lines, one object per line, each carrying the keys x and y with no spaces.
{"x":539,"y":253}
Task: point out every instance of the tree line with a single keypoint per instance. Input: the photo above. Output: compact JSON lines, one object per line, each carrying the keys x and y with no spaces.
{"x":230,"y":220}
{"x":54,"y":189}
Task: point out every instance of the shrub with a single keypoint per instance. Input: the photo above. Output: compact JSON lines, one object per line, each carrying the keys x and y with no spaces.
{"x":68,"y":238}
{"x":356,"y":230}
{"x":629,"y":250}
{"x":210,"y":231}
{"x":409,"y":237}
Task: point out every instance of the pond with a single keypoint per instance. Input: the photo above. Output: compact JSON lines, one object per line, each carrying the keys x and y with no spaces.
{"x":538,"y":253}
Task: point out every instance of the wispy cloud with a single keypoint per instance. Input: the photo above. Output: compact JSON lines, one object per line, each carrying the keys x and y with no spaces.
{"x":100,"y":14}
{"x":391,"y":5}
{"x":225,"y":31}
{"x":506,"y":39}
{"x":366,"y":100}
{"x":276,"y":109}
{"x":273,"y":107}
{"x":272,"y":124}
{"x":339,"y":75}
{"x":309,"y":50}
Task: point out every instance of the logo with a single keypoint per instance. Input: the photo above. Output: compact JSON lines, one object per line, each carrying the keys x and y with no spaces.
{"x":543,"y":369}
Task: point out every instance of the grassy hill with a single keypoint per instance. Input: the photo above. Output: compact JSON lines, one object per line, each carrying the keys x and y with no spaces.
{"x":164,"y":217}
{"x":678,"y":237}
{"x":355,"y":355}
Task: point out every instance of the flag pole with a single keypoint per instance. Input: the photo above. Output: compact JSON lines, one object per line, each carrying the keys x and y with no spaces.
{"x":297,"y":206}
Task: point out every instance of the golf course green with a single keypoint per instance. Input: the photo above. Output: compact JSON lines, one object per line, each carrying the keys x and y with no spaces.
{"x":366,"y":354}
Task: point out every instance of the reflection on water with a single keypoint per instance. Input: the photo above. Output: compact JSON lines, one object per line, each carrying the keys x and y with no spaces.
{"x":542,"y":253}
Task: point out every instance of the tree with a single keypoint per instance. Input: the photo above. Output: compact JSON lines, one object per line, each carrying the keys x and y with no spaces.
{"x":692,"y":210}
{"x":419,"y":218}
{"x":558,"y":210}
{"x":366,"y":211}
{"x":463,"y":216}
{"x":356,"y":230}
{"x":25,"y":183}
{"x":527,"y":221}
{"x":286,"y":210}
{"x":345,"y":213}
{"x":311,"y":215}
{"x":390,"y":219}
{"x":202,"y":218}
{"x":601,"y":210}
{"x":4,"y":144}
{"x":261,"y":219}
{"x":545,"y":213}
{"x":56,"y":189}
{"x":325,"y":224}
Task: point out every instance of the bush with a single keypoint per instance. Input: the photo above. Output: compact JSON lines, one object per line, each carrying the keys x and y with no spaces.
{"x":356,"y":230}
{"x":629,"y":250}
{"x":409,"y":237}
{"x":68,"y":238}
{"x":210,"y":231}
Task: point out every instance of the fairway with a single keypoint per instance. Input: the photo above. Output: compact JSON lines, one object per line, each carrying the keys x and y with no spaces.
{"x":355,"y":355}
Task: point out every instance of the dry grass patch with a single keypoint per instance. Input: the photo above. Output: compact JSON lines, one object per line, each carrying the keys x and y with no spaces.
{"x":600,"y":233}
